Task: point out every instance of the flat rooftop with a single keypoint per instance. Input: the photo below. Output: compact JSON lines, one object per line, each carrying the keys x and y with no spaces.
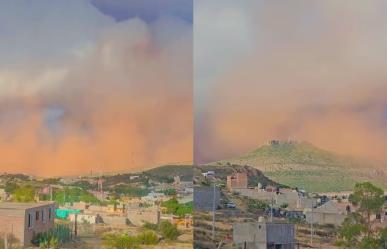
{"x":23,"y":206}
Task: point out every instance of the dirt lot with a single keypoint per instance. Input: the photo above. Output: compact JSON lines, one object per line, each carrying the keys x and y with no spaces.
{"x":94,"y":240}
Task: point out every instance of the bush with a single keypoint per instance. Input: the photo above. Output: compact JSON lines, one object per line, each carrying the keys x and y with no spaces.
{"x":120,"y":241}
{"x":170,"y":192}
{"x":254,"y":205}
{"x":24,"y":194}
{"x":150,"y":226}
{"x":174,"y":207}
{"x":74,"y":194}
{"x":284,"y":205}
{"x":130,"y":191}
{"x":148,"y":238}
{"x":53,"y":238}
{"x":169,"y":231}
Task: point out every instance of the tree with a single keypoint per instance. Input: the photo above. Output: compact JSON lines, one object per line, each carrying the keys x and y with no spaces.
{"x":383,"y":238}
{"x":356,"y":231}
{"x":368,"y":242}
{"x":351,"y":231}
{"x":24,"y":194}
{"x":174,"y":207}
{"x":369,"y":199}
{"x":10,"y":187}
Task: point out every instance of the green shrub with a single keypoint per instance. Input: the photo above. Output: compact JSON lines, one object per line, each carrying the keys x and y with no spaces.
{"x":148,"y":238}
{"x":120,"y":241}
{"x":169,"y":231}
{"x":24,"y":194}
{"x":254,"y":205}
{"x":174,"y":207}
{"x":53,"y":238}
{"x":284,"y":205}
{"x":150,"y":226}
{"x":74,"y":194}
{"x":170,"y":192}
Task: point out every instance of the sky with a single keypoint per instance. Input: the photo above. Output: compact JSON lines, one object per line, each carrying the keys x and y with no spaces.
{"x":94,"y":85}
{"x":307,"y":70}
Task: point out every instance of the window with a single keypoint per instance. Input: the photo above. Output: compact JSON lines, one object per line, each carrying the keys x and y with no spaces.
{"x":37,"y":215}
{"x":29,"y":220}
{"x":42,"y":215}
{"x":49,"y":214}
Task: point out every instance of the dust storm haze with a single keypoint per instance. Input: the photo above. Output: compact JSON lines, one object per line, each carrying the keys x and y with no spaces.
{"x":81,"y":91}
{"x":305,"y":70}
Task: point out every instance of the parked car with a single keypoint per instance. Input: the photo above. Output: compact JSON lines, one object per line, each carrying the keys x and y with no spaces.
{"x":230,"y":205}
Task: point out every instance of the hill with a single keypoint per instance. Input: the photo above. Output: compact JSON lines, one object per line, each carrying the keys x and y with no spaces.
{"x":254,"y":175}
{"x":160,"y":174}
{"x":168,"y":171}
{"x":302,"y":165}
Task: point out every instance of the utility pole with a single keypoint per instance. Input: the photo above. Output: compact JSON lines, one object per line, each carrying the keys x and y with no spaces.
{"x":271,"y":209}
{"x":10,"y":246}
{"x":213,"y":213}
{"x":6,"y":241}
{"x":311,"y":226}
{"x":100,"y":186}
{"x":76,"y":226}
{"x":311,"y":216}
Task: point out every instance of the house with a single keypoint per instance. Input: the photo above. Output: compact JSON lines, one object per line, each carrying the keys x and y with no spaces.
{"x":3,"y":195}
{"x":134,"y":177}
{"x":25,"y":220}
{"x":264,"y":235}
{"x":176,"y":180}
{"x":209,"y":173}
{"x":331,"y":212}
{"x":204,"y":198}
{"x":237,"y":181}
{"x":293,"y":199}
{"x":154,"y":196}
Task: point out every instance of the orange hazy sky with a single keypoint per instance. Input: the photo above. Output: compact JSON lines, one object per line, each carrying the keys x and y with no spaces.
{"x":90,"y":93}
{"x":309,"y":70}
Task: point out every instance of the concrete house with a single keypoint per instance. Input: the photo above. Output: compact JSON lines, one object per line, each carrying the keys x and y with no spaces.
{"x":3,"y":195}
{"x":292,"y":198}
{"x":264,"y":235}
{"x":330,"y":213}
{"x":237,"y":181}
{"x":25,"y":220}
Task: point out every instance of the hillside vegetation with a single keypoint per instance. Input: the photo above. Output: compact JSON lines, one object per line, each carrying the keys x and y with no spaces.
{"x":168,"y":171}
{"x":302,"y":165}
